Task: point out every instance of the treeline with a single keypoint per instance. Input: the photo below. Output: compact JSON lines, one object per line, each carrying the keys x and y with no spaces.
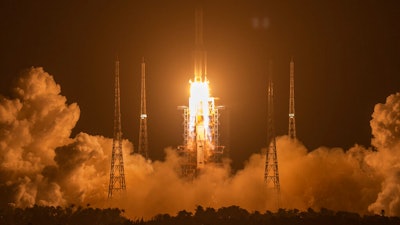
{"x":235,"y":215}
{"x":72,"y":215}
{"x":232,"y":215}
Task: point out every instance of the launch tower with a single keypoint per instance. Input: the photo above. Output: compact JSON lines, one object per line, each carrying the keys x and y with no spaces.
{"x":143,"y":142}
{"x":292,"y":119}
{"x":201,"y":117}
{"x":117,"y":176}
{"x":271,"y":175}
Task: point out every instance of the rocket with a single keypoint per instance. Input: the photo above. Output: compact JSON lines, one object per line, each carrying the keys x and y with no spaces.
{"x":201,"y":116}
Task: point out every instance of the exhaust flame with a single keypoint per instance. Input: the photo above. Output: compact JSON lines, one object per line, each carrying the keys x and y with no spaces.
{"x":201,"y":128}
{"x":200,"y":106}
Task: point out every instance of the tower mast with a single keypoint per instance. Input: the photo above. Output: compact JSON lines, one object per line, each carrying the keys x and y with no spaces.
{"x":143,"y":142}
{"x":271,"y":175}
{"x":292,"y":119}
{"x":117,"y":176}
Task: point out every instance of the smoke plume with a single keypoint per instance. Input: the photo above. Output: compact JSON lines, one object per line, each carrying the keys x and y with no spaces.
{"x":385,"y":126}
{"x":32,"y":125}
{"x":41,"y":164}
{"x":331,"y":178}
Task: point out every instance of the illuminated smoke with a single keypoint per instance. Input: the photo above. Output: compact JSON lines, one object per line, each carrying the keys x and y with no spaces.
{"x":82,"y":167}
{"x":330,"y":178}
{"x":41,"y":164}
{"x":32,"y":125}
{"x":385,"y":126}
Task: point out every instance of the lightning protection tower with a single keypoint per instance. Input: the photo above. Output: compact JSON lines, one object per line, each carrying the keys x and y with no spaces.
{"x":143,"y":142}
{"x":292,"y":119}
{"x":271,"y":175}
{"x":117,"y":176}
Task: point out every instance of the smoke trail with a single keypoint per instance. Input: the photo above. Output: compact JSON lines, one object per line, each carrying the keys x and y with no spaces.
{"x":41,"y":164}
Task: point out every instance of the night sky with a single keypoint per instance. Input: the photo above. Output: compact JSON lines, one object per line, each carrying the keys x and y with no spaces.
{"x":346,"y":53}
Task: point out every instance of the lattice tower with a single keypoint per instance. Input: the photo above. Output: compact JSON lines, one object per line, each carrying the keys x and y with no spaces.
{"x":292,"y":118}
{"x":143,"y":141}
{"x":271,"y":175}
{"x":117,"y":174}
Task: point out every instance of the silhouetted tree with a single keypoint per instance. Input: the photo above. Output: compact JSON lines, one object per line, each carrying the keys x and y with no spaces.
{"x":233,"y":215}
{"x":205,"y":217}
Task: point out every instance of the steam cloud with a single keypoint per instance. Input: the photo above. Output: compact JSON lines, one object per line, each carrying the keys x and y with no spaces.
{"x":41,"y":164}
{"x":385,"y":126}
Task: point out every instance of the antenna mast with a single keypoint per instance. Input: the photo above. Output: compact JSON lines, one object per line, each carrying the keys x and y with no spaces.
{"x":271,"y":175}
{"x":292,"y":119}
{"x":143,"y":142}
{"x":117,"y":176}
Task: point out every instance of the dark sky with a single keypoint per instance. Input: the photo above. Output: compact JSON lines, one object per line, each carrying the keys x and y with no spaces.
{"x":346,"y":52}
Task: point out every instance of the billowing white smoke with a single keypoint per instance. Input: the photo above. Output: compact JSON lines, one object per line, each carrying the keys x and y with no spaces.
{"x":385,"y":126}
{"x":41,"y":164}
{"x":32,"y":125}
{"x":330,"y":178}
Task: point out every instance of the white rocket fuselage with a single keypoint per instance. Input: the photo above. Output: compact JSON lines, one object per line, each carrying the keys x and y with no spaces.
{"x":199,"y":120}
{"x":201,"y":127}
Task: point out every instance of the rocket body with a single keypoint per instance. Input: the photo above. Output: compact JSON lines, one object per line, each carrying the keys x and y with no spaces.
{"x":199,"y":125}
{"x":201,"y":116}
